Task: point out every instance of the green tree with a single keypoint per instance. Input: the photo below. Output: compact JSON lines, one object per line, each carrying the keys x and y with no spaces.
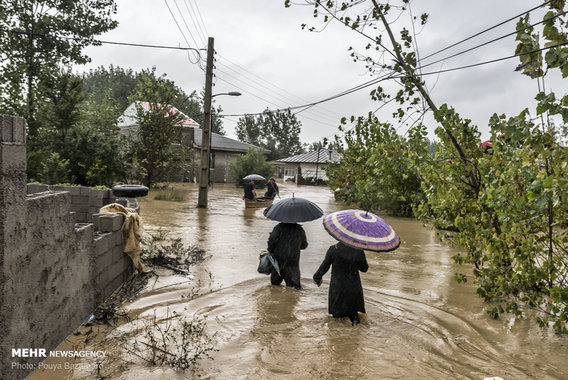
{"x":505,"y":204}
{"x":120,"y":84}
{"x":253,"y":161}
{"x":379,"y":168}
{"x":157,"y":145}
{"x":81,"y":132}
{"x":36,"y":37}
{"x":276,"y":131}
{"x":116,"y":82}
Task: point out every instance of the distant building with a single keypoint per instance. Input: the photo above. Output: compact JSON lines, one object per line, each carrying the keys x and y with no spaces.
{"x":223,"y":149}
{"x":307,"y":165}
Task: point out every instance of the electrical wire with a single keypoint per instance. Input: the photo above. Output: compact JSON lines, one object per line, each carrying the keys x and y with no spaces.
{"x":132,"y":44}
{"x":183,"y":34}
{"x":493,"y":40}
{"x":193,"y":16}
{"x":486,"y":30}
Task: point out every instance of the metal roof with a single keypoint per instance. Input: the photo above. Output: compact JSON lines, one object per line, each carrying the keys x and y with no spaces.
{"x":324,"y":156}
{"x":220,"y":142}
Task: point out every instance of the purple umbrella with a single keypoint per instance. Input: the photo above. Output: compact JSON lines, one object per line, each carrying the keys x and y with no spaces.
{"x":361,"y":229}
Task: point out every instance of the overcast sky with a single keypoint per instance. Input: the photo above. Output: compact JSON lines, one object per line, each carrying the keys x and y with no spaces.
{"x":262,"y":52}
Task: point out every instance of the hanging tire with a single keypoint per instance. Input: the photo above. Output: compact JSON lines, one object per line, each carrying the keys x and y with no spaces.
{"x":129,"y":191}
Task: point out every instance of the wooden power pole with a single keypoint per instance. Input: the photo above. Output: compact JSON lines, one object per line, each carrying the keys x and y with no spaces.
{"x":206,"y":128}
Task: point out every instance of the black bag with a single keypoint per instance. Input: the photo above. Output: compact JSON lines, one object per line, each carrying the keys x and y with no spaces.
{"x":265,"y":265}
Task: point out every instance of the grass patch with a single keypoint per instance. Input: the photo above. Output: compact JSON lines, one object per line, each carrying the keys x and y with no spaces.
{"x":170,"y":194}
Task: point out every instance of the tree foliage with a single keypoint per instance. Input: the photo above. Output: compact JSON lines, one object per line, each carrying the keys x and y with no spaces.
{"x":253,"y":162}
{"x":81,"y":133}
{"x":157,"y":146}
{"x":379,"y":169}
{"x":506,"y":205}
{"x":276,"y":131}
{"x":120,"y":84}
{"x":36,"y":38}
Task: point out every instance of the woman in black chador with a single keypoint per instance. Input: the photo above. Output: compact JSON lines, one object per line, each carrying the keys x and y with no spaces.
{"x":285,"y":242}
{"x":345,"y":290}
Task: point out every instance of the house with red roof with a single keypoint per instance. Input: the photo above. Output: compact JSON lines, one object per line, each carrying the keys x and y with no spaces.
{"x":223,"y":149}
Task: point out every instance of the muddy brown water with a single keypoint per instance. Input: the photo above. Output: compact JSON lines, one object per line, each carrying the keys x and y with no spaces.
{"x":419,"y":324}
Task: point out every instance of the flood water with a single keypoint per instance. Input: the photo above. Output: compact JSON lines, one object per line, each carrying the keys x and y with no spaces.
{"x":419,"y":324}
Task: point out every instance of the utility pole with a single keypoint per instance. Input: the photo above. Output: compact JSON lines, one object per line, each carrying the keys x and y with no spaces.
{"x":206,"y":136}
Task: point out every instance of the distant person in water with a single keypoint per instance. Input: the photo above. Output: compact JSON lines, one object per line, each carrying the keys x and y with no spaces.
{"x":345,"y":290}
{"x":272,"y":189}
{"x":284,"y":243}
{"x":250,"y":192}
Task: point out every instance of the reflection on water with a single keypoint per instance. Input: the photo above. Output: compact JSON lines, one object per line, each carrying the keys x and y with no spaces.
{"x":419,"y":323}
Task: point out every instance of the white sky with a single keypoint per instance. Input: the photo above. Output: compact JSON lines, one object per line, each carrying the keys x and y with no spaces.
{"x":263,"y":53}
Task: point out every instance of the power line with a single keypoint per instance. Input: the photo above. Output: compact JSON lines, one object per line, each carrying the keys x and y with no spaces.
{"x":198,"y":57}
{"x":274,"y":94}
{"x":400,"y":76}
{"x":485,"y":30}
{"x":194,"y":19}
{"x":185,"y":23}
{"x":117,"y":43}
{"x":492,"y":60}
{"x":343,"y":93}
{"x":494,"y":40}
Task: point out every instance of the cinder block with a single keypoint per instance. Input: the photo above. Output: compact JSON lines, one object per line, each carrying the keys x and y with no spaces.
{"x":80,"y":200}
{"x":109,"y":274}
{"x":33,"y":189}
{"x":74,"y":191}
{"x":19,"y":130}
{"x":102,"y":243}
{"x":117,"y":253}
{"x":6,"y":123}
{"x":118,"y":239}
{"x":80,"y":208}
{"x":96,"y":202}
{"x":86,"y":191}
{"x":103,"y":261}
{"x":95,"y":218}
{"x":81,"y":217}
{"x":110,"y":223}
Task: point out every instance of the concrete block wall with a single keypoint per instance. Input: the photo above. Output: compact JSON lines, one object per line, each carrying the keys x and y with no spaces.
{"x":59,"y":259}
{"x":111,"y":266}
{"x":85,"y":201}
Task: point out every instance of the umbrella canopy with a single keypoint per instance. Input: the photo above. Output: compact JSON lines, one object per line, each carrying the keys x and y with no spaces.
{"x":293,"y":210}
{"x":254,"y":177}
{"x":361,"y":229}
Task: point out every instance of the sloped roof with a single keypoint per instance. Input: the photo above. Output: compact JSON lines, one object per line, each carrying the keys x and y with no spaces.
{"x":128,"y":117}
{"x":220,"y":142}
{"x":324,"y":156}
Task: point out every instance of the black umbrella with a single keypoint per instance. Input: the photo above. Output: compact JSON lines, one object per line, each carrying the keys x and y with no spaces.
{"x":293,"y":210}
{"x":254,"y":177}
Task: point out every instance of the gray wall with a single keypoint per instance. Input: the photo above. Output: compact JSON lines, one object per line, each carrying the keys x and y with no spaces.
{"x":55,"y":267}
